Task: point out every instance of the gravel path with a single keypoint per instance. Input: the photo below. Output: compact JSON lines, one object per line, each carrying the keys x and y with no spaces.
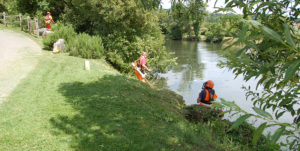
{"x":18,"y":56}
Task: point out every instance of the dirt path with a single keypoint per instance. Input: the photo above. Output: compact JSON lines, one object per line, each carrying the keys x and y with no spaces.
{"x":18,"y":56}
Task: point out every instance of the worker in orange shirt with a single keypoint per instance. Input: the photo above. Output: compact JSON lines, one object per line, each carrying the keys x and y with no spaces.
{"x":49,"y":20}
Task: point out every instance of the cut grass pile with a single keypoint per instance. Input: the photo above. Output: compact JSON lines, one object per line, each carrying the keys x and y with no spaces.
{"x":61,"y":106}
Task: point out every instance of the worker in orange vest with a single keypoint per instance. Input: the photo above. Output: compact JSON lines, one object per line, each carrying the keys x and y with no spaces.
{"x":207,"y":95}
{"x":140,"y":65}
{"x":49,"y":20}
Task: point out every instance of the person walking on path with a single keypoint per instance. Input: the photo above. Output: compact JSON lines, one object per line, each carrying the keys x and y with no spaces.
{"x":49,"y":20}
{"x":207,"y":95}
{"x":140,"y":64}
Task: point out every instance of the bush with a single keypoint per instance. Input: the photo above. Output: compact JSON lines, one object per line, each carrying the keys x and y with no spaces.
{"x":126,"y":29}
{"x":60,"y":31}
{"x":176,"y":32}
{"x":242,"y":135}
{"x":86,"y":46}
{"x":215,"y":33}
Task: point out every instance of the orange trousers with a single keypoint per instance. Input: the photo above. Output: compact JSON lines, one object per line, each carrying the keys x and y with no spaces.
{"x":49,"y":27}
{"x":139,"y":76}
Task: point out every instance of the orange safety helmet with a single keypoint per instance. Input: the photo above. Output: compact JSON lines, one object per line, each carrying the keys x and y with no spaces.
{"x":209,"y":84}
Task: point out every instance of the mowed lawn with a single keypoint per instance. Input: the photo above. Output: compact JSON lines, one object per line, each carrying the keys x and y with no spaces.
{"x":61,"y":106}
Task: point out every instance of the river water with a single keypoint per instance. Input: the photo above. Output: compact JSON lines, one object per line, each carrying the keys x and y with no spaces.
{"x":197,"y":63}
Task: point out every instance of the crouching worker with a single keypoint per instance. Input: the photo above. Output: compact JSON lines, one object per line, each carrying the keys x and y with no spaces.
{"x":208,"y":95}
{"x":140,"y":66}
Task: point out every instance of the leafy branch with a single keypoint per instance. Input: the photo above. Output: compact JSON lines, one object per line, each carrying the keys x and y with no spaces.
{"x":285,"y":128}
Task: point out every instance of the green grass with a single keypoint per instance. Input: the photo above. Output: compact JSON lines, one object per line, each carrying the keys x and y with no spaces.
{"x":60,"y":106}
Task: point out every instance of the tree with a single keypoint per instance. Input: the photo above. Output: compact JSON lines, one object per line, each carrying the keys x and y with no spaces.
{"x":271,"y":53}
{"x":126,"y":28}
{"x":187,"y":16}
{"x":196,"y":13}
{"x":33,"y":7}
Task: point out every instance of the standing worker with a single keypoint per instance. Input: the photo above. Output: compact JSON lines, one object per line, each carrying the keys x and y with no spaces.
{"x":140,"y":64}
{"x":207,"y":95}
{"x":49,"y":20}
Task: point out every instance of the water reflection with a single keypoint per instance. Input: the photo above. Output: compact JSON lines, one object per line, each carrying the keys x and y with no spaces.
{"x":197,"y":63}
{"x":189,"y":67}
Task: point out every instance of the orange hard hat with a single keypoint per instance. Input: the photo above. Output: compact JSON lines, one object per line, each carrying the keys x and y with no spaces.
{"x":210,"y":84}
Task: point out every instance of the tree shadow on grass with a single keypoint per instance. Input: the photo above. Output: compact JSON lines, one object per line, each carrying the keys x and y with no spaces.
{"x":118,"y":113}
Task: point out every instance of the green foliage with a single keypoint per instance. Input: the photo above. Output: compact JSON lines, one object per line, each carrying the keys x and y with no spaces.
{"x":2,"y":7}
{"x":240,"y":133}
{"x":271,"y":54}
{"x":215,"y":33}
{"x":262,"y":113}
{"x":126,"y":30}
{"x":184,"y":19}
{"x":164,"y":20}
{"x":197,"y":12}
{"x":86,"y":46}
{"x":32,"y":7}
{"x":231,"y":23}
{"x":239,"y":121}
{"x":176,"y":32}
{"x":285,"y":129}
{"x":62,"y":31}
{"x":258,"y":133}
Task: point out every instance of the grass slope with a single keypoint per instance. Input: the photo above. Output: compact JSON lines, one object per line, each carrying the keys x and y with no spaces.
{"x":60,"y":106}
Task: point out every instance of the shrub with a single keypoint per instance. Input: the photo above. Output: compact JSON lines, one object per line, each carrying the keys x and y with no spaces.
{"x":126,"y":29}
{"x":60,"y":31}
{"x":86,"y":46}
{"x":176,"y":32}
{"x":215,"y":33}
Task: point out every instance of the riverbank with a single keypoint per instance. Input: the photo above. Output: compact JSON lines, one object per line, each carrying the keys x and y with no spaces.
{"x":61,"y":106}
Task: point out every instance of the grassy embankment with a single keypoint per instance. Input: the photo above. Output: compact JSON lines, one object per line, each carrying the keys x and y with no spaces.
{"x":60,"y":106}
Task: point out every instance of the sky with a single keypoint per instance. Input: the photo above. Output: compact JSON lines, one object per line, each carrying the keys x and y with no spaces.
{"x":221,"y":3}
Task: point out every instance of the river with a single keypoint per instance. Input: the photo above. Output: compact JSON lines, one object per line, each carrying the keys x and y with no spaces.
{"x":198,"y":62}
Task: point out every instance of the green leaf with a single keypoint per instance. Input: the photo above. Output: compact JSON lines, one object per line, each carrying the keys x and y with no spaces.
{"x":254,"y":23}
{"x":229,"y":46}
{"x":293,"y":67}
{"x":243,"y":34}
{"x":258,"y":132}
{"x":277,"y":134}
{"x":284,"y":102}
{"x":262,"y":113}
{"x":239,"y":121}
{"x":271,"y":33}
{"x":269,"y":82}
{"x":280,"y":114}
{"x":230,"y":104}
{"x":292,"y":145}
{"x":288,"y":36}
{"x":241,"y":51}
